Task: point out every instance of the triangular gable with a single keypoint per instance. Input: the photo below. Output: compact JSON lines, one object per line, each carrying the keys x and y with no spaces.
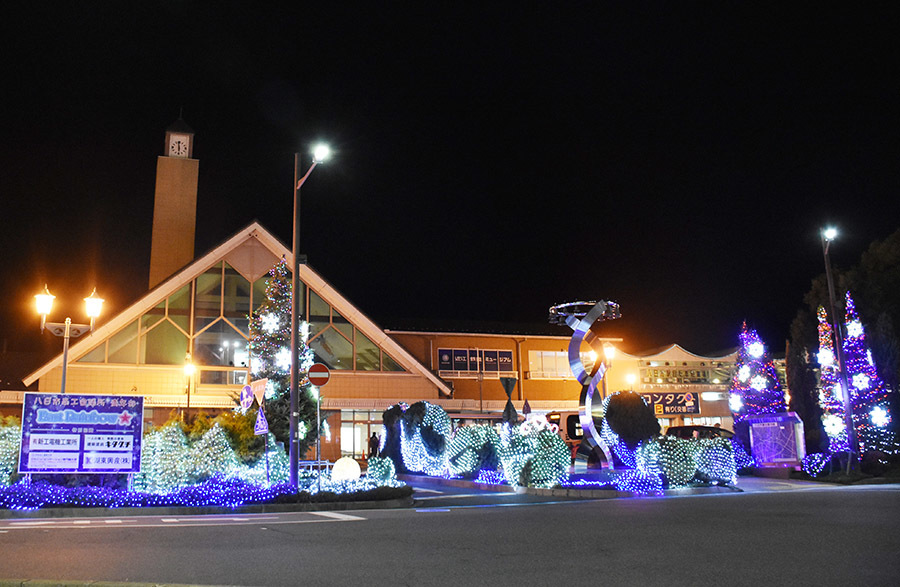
{"x":252,"y":251}
{"x":677,"y":353}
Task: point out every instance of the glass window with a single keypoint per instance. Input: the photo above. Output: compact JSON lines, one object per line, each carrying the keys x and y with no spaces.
{"x":180,"y":308}
{"x":319,"y":314}
{"x":333,"y":349}
{"x":208,"y":299}
{"x":368,"y":356}
{"x":236,"y":299}
{"x":341,"y":324}
{"x":123,"y":345}
{"x":98,"y":355}
{"x":259,"y":291}
{"x":389,"y":364}
{"x":164,"y":345}
{"x":220,"y":345}
{"x":153,"y":317}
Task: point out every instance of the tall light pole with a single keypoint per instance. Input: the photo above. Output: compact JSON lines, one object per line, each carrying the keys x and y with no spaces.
{"x":320,"y":153}
{"x":828,"y":235}
{"x":67,"y":330}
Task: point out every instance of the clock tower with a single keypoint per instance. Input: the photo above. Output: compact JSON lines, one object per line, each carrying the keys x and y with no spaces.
{"x":175,"y":204}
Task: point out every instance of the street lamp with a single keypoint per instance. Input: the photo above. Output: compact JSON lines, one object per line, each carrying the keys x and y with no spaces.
{"x":828,"y":235}
{"x":320,"y":154}
{"x":44,"y":303}
{"x":189,"y":370}
{"x":609,"y":351}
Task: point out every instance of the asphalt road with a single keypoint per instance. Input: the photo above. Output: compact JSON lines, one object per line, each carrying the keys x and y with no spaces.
{"x":777,"y":534}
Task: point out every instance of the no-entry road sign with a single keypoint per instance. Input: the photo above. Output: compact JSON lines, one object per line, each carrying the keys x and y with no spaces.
{"x":319,"y":374}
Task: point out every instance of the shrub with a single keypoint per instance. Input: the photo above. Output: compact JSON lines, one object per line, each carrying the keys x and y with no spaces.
{"x":631,"y":418}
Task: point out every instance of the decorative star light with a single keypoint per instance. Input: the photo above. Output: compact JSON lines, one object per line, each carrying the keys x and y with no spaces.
{"x":758,"y":383}
{"x":269,"y":323}
{"x":744,"y":373}
{"x":735,"y":403}
{"x":861,"y":381}
{"x":825,"y":357}
{"x":283,"y":358}
{"x":270,"y":389}
{"x":855,"y":328}
{"x":755,"y":349}
{"x":838,"y":392}
{"x":833,"y":425}
{"x":880,"y":417}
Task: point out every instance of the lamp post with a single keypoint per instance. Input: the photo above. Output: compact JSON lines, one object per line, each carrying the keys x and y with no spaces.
{"x":609,"y":351}
{"x":320,"y":153}
{"x":828,"y":235}
{"x":92,"y":306}
{"x":189,"y":370}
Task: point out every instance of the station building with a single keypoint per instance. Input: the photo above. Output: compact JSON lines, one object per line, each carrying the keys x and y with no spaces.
{"x":197,"y":311}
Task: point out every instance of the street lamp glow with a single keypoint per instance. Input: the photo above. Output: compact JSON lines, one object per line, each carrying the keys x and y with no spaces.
{"x":44,"y":302}
{"x":93,"y":304}
{"x":830,"y":233}
{"x":321,"y":153}
{"x":609,"y":351}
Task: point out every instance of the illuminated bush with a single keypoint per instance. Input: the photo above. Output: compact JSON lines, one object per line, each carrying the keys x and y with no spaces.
{"x":630,"y":418}
{"x":533,"y":457}
{"x":715,"y":461}
{"x":416,"y":438}
{"x":473,"y":449}
{"x":381,"y":470}
{"x":10,"y":438}
{"x":677,"y":460}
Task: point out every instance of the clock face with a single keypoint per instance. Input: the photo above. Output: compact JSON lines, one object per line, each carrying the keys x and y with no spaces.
{"x":178,"y":146}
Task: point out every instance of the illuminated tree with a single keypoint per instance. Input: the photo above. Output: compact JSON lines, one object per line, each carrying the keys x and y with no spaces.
{"x":868,"y":395}
{"x":755,"y":388}
{"x":270,"y":350}
{"x":830,"y":384}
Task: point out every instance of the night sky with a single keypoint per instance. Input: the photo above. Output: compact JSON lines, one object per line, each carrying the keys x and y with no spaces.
{"x":491,"y":159}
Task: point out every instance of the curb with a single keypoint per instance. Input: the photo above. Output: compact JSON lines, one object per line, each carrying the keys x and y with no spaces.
{"x":266,"y":508}
{"x":567,"y":491}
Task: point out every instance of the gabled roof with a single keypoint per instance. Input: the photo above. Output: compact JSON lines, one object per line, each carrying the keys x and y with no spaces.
{"x":675,"y":352}
{"x":270,"y":247}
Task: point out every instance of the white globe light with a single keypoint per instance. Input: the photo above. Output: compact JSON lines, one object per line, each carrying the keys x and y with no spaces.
{"x":735,"y":403}
{"x":755,"y":349}
{"x":345,"y":469}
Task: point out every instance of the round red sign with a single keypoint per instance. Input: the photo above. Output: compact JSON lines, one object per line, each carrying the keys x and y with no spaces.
{"x":319,"y":374}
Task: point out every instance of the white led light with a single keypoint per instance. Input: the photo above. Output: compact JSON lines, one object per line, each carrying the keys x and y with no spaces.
{"x":755,"y":349}
{"x":854,"y":328}
{"x":744,"y":373}
{"x":861,"y":381}
{"x":825,"y":357}
{"x":879,"y":416}
{"x":735,"y":403}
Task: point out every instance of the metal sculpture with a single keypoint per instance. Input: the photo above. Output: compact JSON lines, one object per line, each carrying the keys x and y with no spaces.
{"x":580,"y":317}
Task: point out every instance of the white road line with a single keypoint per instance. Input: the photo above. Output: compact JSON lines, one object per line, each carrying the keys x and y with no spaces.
{"x":448,"y":496}
{"x":337,"y":516}
{"x":420,"y":490}
{"x":32,"y":523}
{"x":113,"y":521}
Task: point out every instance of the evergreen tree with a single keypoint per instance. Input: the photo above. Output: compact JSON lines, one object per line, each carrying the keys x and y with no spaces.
{"x":830,"y":397}
{"x":270,"y":353}
{"x":868,"y":394}
{"x":755,"y":388}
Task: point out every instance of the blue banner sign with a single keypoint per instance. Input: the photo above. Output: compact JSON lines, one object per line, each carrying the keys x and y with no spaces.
{"x":69,"y":433}
{"x":475,"y":360}
{"x":667,"y":403}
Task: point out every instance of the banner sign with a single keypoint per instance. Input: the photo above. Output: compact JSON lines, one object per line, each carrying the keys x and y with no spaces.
{"x":475,"y":360}
{"x":69,"y":433}
{"x":668,"y":403}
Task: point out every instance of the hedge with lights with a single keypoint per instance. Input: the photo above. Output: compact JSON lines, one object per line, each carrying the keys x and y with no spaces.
{"x":473,"y":451}
{"x":10,"y":441}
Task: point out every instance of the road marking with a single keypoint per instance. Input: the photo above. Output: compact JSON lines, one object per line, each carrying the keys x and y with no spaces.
{"x":449,"y":496}
{"x":169,"y":520}
{"x":420,"y":490}
{"x":30,"y":523}
{"x":432,"y":510}
{"x":113,"y":521}
{"x":337,"y":516}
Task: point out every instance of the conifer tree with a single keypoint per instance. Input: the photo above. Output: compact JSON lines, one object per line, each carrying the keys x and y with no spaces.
{"x":755,"y":388}
{"x":830,"y":399}
{"x":270,"y":350}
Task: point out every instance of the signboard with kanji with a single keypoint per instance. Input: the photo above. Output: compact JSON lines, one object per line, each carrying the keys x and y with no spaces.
{"x":69,"y":433}
{"x":665,"y":403}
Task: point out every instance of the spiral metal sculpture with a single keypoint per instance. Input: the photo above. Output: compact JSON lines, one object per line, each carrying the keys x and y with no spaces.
{"x":580,"y":317}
